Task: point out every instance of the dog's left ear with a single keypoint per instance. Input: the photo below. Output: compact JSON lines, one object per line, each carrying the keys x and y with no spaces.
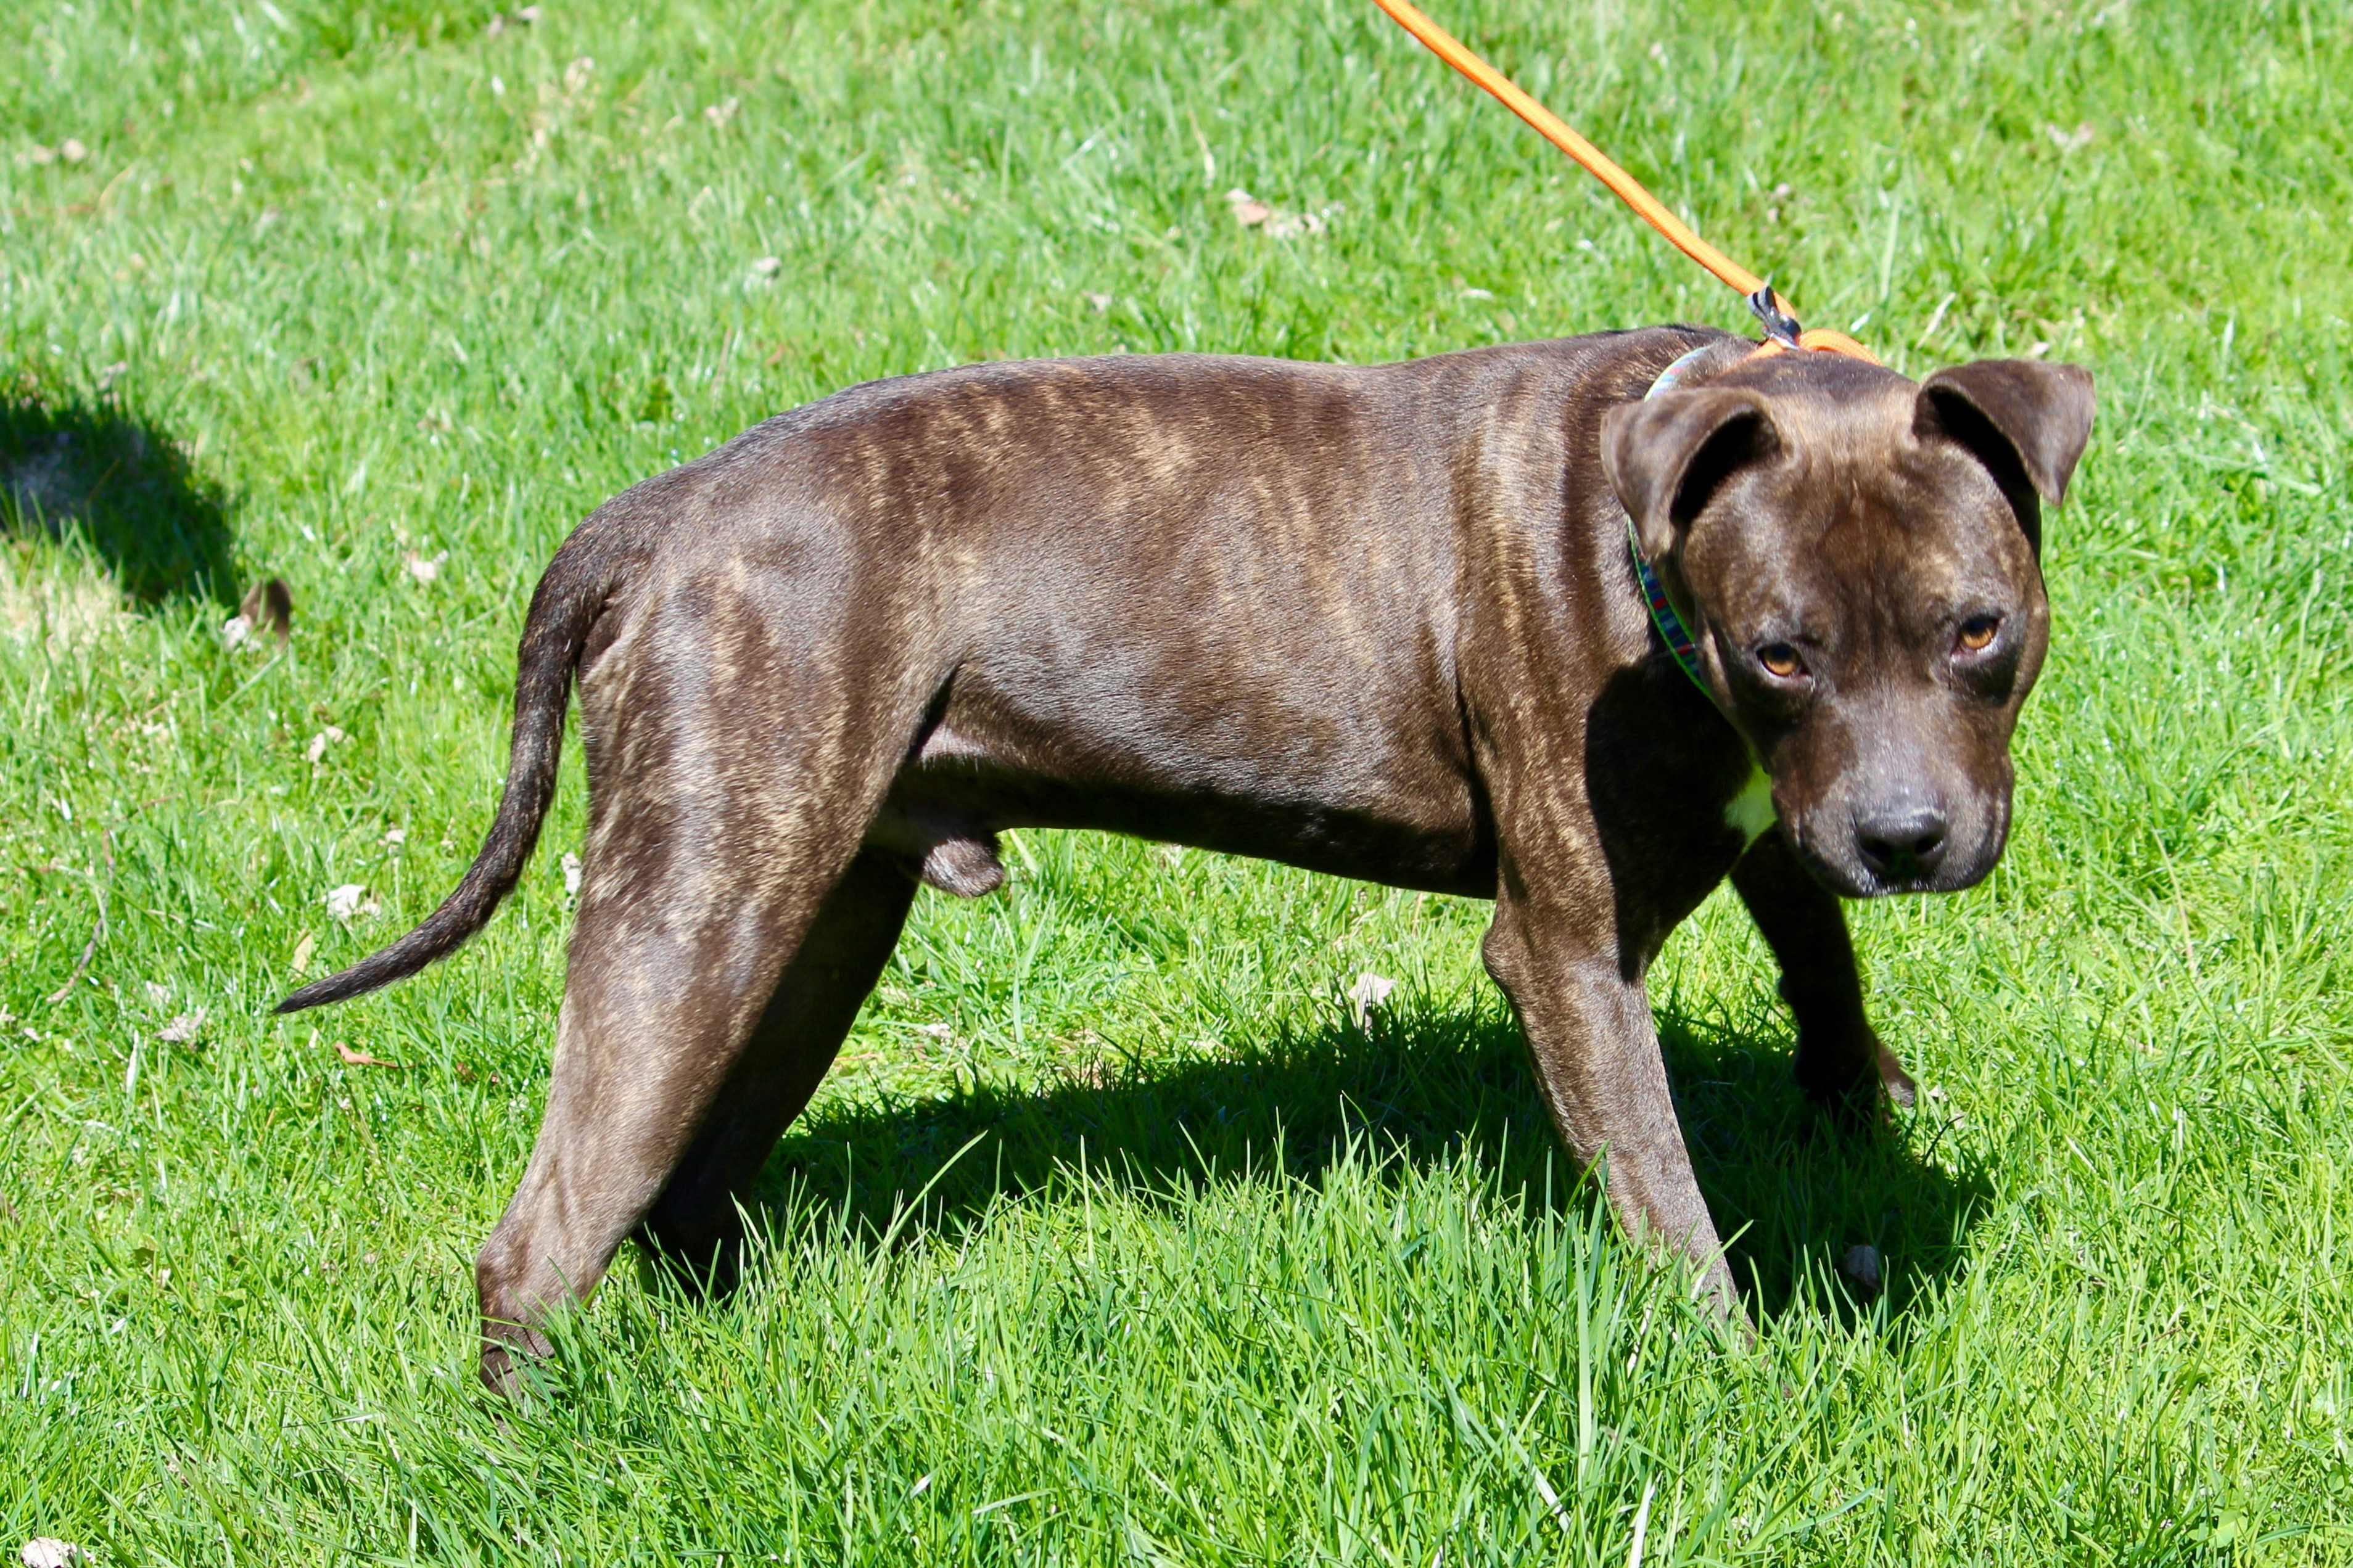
{"x":2026,"y":421}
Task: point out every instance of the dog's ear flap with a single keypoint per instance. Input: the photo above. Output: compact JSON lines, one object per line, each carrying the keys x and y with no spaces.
{"x":2026,"y":421}
{"x":1667,"y":455}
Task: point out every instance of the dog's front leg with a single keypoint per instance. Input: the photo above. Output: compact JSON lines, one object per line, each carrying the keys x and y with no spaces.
{"x":1597,"y":1059}
{"x":1841,"y":1063}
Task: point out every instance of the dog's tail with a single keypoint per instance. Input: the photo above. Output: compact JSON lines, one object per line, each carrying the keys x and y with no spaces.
{"x":575,"y":588}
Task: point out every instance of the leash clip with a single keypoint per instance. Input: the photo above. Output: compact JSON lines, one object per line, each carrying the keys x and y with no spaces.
{"x":1779,"y":325}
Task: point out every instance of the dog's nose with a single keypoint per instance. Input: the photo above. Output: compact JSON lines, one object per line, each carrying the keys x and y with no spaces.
{"x":1902,"y":844}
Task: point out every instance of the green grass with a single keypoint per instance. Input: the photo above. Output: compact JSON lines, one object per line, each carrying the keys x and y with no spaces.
{"x":1218,"y":1276}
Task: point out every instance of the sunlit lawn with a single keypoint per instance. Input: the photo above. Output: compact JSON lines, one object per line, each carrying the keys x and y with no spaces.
{"x":382,"y":300}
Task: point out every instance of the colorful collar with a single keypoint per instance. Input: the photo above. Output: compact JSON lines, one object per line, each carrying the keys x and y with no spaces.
{"x":1671,"y":630}
{"x":1662,"y":615}
{"x":1670,"y":377}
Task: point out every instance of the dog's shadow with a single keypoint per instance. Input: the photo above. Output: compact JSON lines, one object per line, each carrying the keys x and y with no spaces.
{"x":1426,"y":1084}
{"x":87,"y":467}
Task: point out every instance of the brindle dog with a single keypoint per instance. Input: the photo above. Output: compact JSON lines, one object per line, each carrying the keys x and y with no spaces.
{"x":1382,"y":622}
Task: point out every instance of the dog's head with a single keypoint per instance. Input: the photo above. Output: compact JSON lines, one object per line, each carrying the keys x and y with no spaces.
{"x":1858,"y":556}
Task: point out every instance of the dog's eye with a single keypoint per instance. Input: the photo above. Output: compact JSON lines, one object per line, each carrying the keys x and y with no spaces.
{"x":1976,"y":632}
{"x":1781,"y":660}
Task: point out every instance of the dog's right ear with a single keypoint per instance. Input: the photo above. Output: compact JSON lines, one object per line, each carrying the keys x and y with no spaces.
{"x":1667,"y":455}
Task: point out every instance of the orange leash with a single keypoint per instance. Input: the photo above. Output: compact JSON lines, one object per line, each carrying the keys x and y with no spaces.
{"x":1781,"y":332}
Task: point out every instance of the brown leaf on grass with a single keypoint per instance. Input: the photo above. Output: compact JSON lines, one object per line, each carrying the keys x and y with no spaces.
{"x":268,"y":606}
{"x":1277,"y":223}
{"x":1862,"y":1268}
{"x":1366,"y":996}
{"x":302,"y":949}
{"x":360,"y":1058}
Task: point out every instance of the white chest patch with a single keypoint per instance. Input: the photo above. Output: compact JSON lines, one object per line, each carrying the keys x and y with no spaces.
{"x":1751,"y":811}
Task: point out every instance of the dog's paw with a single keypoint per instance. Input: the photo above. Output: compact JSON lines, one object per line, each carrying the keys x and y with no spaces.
{"x":1848,"y":1081}
{"x":507,"y":1351}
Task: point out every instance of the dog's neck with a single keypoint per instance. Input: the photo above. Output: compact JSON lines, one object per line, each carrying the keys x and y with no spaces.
{"x":1671,"y":628}
{"x":1669,"y":625}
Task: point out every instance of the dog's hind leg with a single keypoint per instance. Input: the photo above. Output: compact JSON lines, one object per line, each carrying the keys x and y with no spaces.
{"x":669,"y":978}
{"x":733,"y":766}
{"x":696,"y":1221}
{"x":1840,"y":1062}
